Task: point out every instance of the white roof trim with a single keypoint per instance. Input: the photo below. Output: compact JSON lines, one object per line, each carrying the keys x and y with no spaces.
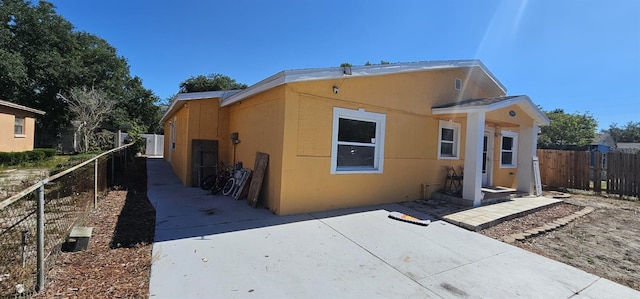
{"x":195,"y":96}
{"x":290,"y":76}
{"x":268,"y":83}
{"x":20,"y":107}
{"x":523,"y":101}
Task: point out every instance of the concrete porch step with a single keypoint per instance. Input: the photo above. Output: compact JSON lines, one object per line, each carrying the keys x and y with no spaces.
{"x":485,"y":216}
{"x":489,"y":198}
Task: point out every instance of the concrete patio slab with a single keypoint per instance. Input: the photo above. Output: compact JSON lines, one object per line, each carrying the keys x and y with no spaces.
{"x":216,"y":247}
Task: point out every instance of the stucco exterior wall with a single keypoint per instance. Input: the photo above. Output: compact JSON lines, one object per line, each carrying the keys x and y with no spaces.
{"x":293,"y":123}
{"x":195,"y":119}
{"x":500,"y":120}
{"x":9,"y":142}
{"x":259,"y":121}
{"x":411,"y":139}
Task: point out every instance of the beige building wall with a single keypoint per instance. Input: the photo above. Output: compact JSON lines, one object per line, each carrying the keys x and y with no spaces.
{"x":10,"y":142}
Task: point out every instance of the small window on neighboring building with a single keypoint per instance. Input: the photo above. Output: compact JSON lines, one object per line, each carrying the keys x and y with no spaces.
{"x":509,"y":149}
{"x":357,"y":142}
{"x":458,"y":84}
{"x":449,"y":140}
{"x":18,"y":127}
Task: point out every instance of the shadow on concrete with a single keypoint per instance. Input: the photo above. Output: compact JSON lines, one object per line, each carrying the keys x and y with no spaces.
{"x":186,"y":212}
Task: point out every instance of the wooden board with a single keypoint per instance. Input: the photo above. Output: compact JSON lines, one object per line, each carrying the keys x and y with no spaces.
{"x":259,"y":170}
{"x":536,"y":176}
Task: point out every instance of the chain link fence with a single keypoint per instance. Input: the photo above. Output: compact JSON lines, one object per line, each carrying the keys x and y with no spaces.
{"x":35,"y":223}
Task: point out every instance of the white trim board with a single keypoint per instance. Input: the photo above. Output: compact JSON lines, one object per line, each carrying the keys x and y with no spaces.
{"x":501,"y":189}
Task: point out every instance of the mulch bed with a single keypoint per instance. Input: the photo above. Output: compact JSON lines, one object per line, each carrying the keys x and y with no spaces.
{"x":118,"y":261}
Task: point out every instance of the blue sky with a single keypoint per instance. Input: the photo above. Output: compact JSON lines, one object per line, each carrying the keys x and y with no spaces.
{"x":574,"y":55}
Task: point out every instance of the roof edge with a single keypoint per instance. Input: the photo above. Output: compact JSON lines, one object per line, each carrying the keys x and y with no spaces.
{"x":299,"y":75}
{"x":534,"y":112}
{"x":20,"y":107}
{"x":190,"y":96}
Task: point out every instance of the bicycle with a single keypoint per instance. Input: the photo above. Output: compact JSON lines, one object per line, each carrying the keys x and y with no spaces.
{"x":216,"y":183}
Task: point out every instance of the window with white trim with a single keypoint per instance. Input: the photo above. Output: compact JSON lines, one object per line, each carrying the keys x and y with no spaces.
{"x":357,"y":141}
{"x":449,"y":140}
{"x":509,"y":149}
{"x":18,"y":127}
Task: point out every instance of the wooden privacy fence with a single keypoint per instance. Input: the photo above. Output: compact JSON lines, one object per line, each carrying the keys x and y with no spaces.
{"x":615,"y":173}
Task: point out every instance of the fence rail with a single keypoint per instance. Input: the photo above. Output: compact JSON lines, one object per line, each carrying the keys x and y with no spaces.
{"x":35,"y":222}
{"x":615,"y":173}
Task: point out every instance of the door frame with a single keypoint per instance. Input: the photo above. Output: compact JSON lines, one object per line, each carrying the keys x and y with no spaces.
{"x":487,"y":175}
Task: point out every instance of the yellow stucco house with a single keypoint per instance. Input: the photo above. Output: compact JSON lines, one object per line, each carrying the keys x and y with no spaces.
{"x":17,"y":127}
{"x":352,"y":136}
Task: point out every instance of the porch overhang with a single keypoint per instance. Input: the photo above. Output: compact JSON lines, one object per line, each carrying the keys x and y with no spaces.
{"x":490,"y":104}
{"x":476,"y":111}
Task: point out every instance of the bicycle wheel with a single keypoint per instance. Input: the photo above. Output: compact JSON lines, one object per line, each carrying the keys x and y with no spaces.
{"x":229,"y":186}
{"x":217,"y":187}
{"x":208,"y":182}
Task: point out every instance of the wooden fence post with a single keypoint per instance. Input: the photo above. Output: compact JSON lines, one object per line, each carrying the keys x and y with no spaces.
{"x":597,"y":172}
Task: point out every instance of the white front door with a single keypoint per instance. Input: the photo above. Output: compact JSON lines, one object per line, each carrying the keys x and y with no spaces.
{"x":486,"y":158}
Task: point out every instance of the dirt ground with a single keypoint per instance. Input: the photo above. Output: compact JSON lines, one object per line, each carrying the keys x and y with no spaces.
{"x":605,"y":242}
{"x":118,"y":261}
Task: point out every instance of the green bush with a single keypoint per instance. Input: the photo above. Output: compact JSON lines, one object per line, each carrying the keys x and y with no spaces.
{"x":20,"y":157}
{"x":6,"y":158}
{"x":34,"y":156}
{"x":48,"y":152}
{"x":17,"y":158}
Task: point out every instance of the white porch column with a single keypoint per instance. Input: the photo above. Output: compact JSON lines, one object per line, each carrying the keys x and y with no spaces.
{"x":527,"y":144}
{"x":473,"y":158}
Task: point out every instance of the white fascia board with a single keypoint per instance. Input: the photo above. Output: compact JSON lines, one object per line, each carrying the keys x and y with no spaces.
{"x":491,"y":76}
{"x":523,"y":102}
{"x":205,"y":94}
{"x":527,"y":105}
{"x":189,"y":96}
{"x":268,"y":83}
{"x":290,"y":76}
{"x":170,"y":111}
{"x":540,"y":118}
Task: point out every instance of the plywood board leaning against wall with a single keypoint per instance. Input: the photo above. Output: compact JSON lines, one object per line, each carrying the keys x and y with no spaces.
{"x":259,"y":170}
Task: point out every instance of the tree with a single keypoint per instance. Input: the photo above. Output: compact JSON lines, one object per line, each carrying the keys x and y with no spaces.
{"x":41,"y":55}
{"x":629,"y":133}
{"x":89,"y":107}
{"x":211,"y":82}
{"x":567,"y":130}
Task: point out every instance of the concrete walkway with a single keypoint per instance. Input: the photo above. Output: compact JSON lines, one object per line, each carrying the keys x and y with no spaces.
{"x":482,"y":217}
{"x":216,"y":247}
